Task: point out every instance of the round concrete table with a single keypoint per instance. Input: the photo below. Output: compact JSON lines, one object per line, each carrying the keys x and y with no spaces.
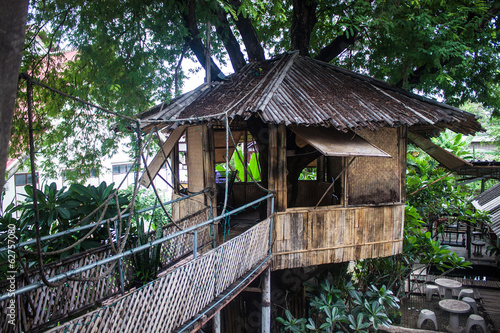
{"x":448,"y":286}
{"x":454,"y":307}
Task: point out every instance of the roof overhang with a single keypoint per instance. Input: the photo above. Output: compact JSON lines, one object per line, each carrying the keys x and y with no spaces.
{"x":331,"y":142}
{"x":447,"y":159}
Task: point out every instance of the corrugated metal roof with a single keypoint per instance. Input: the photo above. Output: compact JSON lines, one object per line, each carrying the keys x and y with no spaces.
{"x":300,"y":90}
{"x":489,"y":201}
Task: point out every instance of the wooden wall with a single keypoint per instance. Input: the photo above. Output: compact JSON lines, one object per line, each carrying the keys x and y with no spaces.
{"x":186,"y":207}
{"x":305,"y":237}
{"x":244,"y":193}
{"x":375,"y":180}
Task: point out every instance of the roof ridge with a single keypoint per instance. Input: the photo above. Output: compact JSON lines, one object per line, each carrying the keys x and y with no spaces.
{"x":280,"y":76}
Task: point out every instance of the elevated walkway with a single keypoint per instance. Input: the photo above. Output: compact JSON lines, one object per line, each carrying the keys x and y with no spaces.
{"x":187,"y":296}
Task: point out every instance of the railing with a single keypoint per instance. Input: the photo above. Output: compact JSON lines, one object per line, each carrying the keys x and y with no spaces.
{"x":53,"y":306}
{"x":175,"y":300}
{"x":37,"y":305}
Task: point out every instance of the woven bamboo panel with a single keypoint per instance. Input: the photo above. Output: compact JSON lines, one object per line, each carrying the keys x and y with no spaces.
{"x":172,"y":300}
{"x":373,"y":180}
{"x":51,"y":304}
{"x":308,"y":237}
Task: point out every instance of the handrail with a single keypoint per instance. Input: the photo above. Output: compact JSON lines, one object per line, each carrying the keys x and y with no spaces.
{"x":89,"y":226}
{"x":128,"y":252}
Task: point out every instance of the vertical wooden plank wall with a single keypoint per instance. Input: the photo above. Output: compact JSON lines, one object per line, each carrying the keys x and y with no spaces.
{"x":277,"y":165}
{"x":305,"y":237}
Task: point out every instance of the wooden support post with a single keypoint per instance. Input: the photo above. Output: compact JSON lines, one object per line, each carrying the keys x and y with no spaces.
{"x":174,"y":160}
{"x":245,"y":155}
{"x":277,"y":166}
{"x":320,"y":170}
{"x":217,"y":325}
{"x":266,"y":301}
{"x":209,"y":162}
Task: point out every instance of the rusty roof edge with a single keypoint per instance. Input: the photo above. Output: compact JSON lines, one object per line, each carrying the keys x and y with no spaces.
{"x":388,"y":86}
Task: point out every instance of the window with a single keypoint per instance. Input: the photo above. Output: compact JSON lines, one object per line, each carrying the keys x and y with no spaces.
{"x":121,"y":168}
{"x":22,"y":179}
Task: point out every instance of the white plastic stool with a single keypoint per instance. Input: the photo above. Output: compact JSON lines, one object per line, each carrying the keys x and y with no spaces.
{"x":475,"y":320}
{"x":431,"y":290}
{"x":471,"y":302}
{"x":427,"y":314}
{"x":466,"y":293}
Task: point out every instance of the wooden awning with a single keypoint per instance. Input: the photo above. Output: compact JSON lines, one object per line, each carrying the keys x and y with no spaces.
{"x":331,"y":142}
{"x":447,"y":159}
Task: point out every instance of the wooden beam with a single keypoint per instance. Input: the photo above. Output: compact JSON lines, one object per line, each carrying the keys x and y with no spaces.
{"x":159,"y":159}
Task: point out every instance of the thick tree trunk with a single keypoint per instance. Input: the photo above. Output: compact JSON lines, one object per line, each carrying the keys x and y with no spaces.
{"x":247,"y":31}
{"x":194,"y":40}
{"x":303,"y":21}
{"x":230,"y":43}
{"x":13,"y":15}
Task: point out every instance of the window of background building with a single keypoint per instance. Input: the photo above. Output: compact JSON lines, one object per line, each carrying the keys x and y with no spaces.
{"x":121,"y":168}
{"x":22,"y":179}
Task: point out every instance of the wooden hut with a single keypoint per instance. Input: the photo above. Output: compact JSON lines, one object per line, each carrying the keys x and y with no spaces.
{"x":301,"y":113}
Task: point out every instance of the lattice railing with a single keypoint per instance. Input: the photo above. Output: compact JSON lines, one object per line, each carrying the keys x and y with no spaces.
{"x":44,"y":305}
{"x":172,"y":300}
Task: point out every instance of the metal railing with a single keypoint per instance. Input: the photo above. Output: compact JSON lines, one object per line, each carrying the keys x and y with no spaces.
{"x":193,"y":230}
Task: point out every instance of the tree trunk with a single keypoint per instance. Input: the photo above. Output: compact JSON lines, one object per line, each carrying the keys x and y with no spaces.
{"x":194,"y":40}
{"x":247,"y":31}
{"x":303,"y":21}
{"x":230,"y":43}
{"x":13,"y":15}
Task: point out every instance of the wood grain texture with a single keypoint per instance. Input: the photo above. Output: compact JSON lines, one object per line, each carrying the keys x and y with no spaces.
{"x":308,"y":237}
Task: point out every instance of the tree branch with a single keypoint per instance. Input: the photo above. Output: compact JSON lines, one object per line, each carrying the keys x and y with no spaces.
{"x":339,"y":44}
{"x":415,"y":77}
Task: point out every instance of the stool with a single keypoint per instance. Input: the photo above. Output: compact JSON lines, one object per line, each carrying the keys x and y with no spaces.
{"x":428,"y":314}
{"x":471,"y":302}
{"x":430,"y":290}
{"x":466,"y":293}
{"x":475,"y":320}
{"x":478,"y":247}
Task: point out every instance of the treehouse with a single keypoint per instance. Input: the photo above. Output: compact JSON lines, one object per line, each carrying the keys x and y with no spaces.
{"x":291,"y":163}
{"x":330,"y":146}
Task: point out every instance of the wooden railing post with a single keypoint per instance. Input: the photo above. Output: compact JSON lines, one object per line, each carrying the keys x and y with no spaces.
{"x":120,"y":262}
{"x":266,"y":300}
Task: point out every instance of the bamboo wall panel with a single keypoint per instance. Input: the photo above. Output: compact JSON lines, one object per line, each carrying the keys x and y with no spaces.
{"x":194,"y":153}
{"x":305,"y":237}
{"x":52,"y":304}
{"x":374,"y":180}
{"x":174,"y":299}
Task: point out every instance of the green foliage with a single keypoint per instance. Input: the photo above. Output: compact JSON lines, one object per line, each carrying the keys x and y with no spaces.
{"x":334,"y":307}
{"x":237,"y":165}
{"x":60,"y":210}
{"x":128,"y":51}
{"x":146,"y":262}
